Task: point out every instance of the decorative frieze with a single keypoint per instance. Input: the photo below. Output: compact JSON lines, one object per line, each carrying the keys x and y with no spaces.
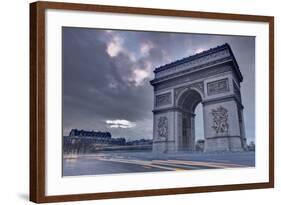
{"x":194,"y":63}
{"x":163,"y":99}
{"x":190,"y":77}
{"x":217,"y":87}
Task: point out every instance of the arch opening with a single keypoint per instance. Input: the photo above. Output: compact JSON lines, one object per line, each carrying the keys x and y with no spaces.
{"x":199,"y":128}
{"x":188,"y":104}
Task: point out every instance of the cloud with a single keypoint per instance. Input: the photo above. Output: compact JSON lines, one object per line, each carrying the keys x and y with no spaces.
{"x":139,"y":76}
{"x":120,"y":124}
{"x":114,"y":47}
{"x":145,"y":47}
{"x":141,"y":73}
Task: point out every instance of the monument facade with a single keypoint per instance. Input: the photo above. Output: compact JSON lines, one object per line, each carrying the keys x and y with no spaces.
{"x":212,"y":78}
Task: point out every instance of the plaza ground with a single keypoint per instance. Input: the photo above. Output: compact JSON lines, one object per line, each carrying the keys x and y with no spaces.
{"x":132,"y":162}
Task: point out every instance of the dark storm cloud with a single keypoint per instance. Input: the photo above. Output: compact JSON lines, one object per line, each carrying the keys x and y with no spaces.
{"x":96,"y":86}
{"x":106,"y":75}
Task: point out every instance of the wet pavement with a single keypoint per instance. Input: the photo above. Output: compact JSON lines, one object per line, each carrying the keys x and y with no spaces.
{"x":132,"y":162}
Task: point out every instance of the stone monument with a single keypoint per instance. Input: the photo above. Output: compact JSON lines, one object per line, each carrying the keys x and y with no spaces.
{"x":212,"y":78}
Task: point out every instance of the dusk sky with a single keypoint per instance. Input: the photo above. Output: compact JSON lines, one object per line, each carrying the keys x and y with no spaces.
{"x":106,"y":76}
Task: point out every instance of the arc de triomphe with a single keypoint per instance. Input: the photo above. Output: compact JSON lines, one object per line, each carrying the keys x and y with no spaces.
{"x":212,"y":78}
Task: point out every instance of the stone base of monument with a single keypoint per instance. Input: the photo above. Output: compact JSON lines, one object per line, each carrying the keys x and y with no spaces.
{"x":214,"y":144}
{"x":163,"y":147}
{"x":223,"y":144}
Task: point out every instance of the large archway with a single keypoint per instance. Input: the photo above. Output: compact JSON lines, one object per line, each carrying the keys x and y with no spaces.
{"x":212,"y":78}
{"x":186,"y":104}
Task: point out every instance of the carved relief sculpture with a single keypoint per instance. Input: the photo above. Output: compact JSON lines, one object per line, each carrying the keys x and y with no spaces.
{"x":220,"y":117}
{"x":216,"y":87}
{"x":163,"y":99}
{"x":162,"y":128}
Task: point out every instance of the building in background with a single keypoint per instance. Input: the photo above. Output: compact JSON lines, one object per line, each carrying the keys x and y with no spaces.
{"x":81,"y":141}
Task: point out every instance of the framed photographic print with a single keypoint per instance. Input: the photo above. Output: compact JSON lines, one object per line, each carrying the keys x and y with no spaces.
{"x":128,"y":102}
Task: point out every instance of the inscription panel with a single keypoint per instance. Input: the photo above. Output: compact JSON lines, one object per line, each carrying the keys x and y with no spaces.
{"x":219,"y":86}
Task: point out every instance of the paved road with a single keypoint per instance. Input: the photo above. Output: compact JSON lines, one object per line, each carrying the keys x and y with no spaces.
{"x":130,"y":162}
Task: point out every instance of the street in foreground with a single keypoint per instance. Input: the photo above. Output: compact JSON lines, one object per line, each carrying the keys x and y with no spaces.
{"x":131,"y":162}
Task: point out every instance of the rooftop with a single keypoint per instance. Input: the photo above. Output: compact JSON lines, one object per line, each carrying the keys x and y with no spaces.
{"x":76,"y":132}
